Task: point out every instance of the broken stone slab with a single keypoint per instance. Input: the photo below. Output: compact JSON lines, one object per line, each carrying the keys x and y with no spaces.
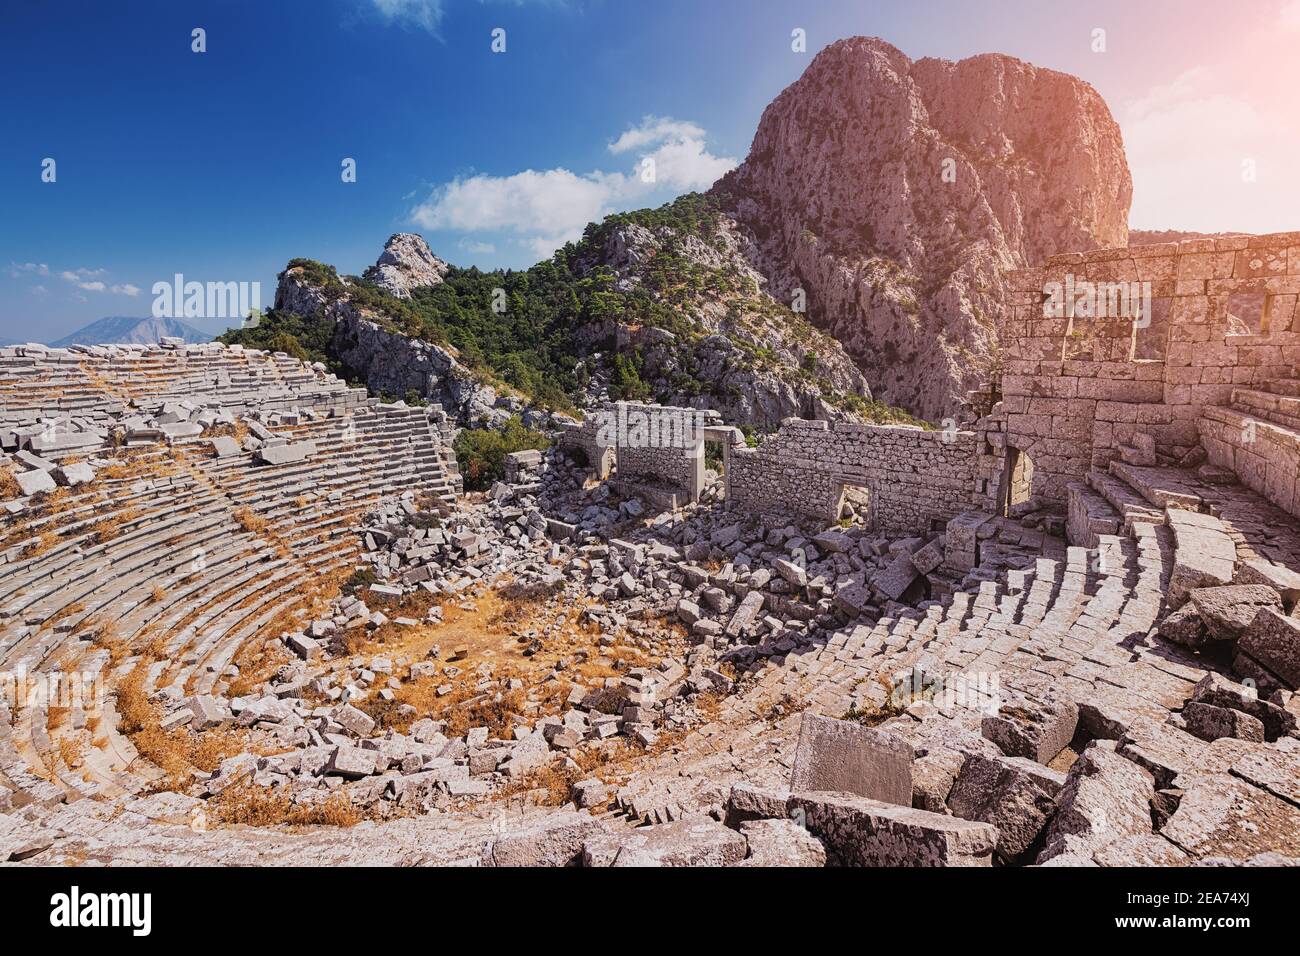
{"x":896,"y":577}
{"x":208,"y":712}
{"x":1273,"y":640}
{"x":305,"y":647}
{"x":1228,"y":611}
{"x":859,"y":831}
{"x":749,"y":802}
{"x":1204,"y":554}
{"x":75,"y":475}
{"x":1281,"y":579}
{"x":1106,"y":797}
{"x":356,"y":722}
{"x":846,"y":757}
{"x":1219,"y":691}
{"x":791,"y":572}
{"x":287,"y":453}
{"x":853,"y":600}
{"x":1186,"y":628}
{"x":690,"y":841}
{"x":1220,"y":815}
{"x":928,"y":558}
{"x":225,"y":447}
{"x":1274,"y":769}
{"x":556,"y":841}
{"x":1035,"y":726}
{"x":1016,"y":795}
{"x":781,"y":843}
{"x":1209,"y":722}
{"x":351,"y":762}
{"x":34,"y":482}
{"x":835,"y":542}
{"x":745,"y":615}
{"x":590,"y":793}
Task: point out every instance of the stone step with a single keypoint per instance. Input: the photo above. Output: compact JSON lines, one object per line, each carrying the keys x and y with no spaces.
{"x":1162,"y":487}
{"x":1284,"y":386}
{"x":1282,"y":409}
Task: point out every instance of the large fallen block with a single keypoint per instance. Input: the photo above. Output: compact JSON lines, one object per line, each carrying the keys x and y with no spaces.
{"x":1016,"y":795}
{"x":858,"y":831}
{"x":846,"y":757}
{"x":691,"y":841}
{"x":1204,"y":555}
{"x":557,"y":841}
{"x":1228,"y":611}
{"x":1106,"y":797}
{"x":1273,"y":640}
{"x":1219,"y":691}
{"x":286,"y":453}
{"x":1037,"y":726}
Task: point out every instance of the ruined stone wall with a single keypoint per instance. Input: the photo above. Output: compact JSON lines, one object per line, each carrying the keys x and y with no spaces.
{"x":1075,"y":389}
{"x":656,"y":445}
{"x":913,"y":478}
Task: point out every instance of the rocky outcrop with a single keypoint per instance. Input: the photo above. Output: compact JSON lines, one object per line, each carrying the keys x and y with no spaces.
{"x":389,"y":362}
{"x":406,"y":263}
{"x":893,"y":191}
{"x":747,"y":355}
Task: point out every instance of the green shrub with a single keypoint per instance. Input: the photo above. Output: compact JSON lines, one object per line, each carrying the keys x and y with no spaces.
{"x":481,"y":452}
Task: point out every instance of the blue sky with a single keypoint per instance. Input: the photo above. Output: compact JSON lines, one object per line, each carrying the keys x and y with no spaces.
{"x":222,"y":165}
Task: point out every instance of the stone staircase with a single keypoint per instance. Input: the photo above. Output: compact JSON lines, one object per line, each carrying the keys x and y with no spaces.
{"x":1257,"y":437}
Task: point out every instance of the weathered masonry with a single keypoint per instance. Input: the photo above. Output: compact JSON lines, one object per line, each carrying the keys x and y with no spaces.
{"x":914,"y":479}
{"x":1211,"y":365}
{"x":656,"y":449}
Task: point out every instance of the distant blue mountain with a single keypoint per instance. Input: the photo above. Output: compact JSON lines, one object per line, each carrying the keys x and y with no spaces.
{"x":130,"y":330}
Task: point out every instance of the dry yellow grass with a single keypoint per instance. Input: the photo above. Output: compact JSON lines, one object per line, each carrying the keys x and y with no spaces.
{"x":175,"y":752}
{"x":111,"y":527}
{"x":8,"y":483}
{"x":43,"y":543}
{"x":257,"y":660}
{"x":251,"y":522}
{"x":250,"y":805}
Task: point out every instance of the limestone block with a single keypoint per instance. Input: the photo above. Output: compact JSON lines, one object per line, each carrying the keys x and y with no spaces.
{"x":846,"y":757}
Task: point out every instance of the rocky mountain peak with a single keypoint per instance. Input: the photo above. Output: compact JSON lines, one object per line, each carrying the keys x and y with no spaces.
{"x":406,"y":263}
{"x":894,"y":192}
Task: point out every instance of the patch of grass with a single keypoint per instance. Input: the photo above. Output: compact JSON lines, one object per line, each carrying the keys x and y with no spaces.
{"x":249,"y":520}
{"x":249,"y":805}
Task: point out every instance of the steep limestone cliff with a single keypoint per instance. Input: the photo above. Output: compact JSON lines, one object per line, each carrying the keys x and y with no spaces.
{"x":893,"y":192}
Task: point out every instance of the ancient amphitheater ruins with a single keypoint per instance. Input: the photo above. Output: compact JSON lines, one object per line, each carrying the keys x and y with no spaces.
{"x":1063,"y":631}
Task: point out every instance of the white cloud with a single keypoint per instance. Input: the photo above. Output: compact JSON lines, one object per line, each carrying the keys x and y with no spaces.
{"x":427,"y":15}
{"x":476,"y":247}
{"x":543,"y":209}
{"x":17,"y":269}
{"x":89,"y":280}
{"x":1189,"y":144}
{"x":654,"y":130}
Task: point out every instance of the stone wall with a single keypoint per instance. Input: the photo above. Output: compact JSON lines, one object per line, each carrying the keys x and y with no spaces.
{"x":657,"y":446}
{"x":1075,"y":389}
{"x":916,"y":480}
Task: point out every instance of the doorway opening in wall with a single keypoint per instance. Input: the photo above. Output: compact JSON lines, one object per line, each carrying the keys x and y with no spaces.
{"x":714,"y":472}
{"x":1017,"y":481}
{"x":1248,"y":313}
{"x":855,"y":505}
